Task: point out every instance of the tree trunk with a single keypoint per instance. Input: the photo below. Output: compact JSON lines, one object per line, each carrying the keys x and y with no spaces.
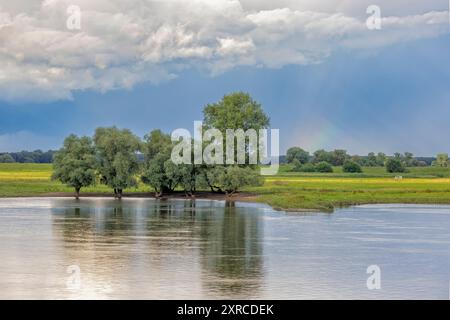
{"x":77,"y":193}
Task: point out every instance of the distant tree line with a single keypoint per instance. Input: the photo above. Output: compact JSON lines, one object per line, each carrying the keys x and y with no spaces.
{"x":323,"y":161}
{"x":37,"y":156}
{"x":112,"y":156}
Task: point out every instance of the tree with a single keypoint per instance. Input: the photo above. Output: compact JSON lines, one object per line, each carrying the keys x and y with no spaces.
{"x":156,"y":142}
{"x":381,"y":159}
{"x":117,"y":159}
{"x":159,"y":172}
{"x":296,"y":153}
{"x":154,"y":174}
{"x":442,"y":160}
{"x":211,"y":177}
{"x":395,"y":165}
{"x":324,"y":167}
{"x":189,"y":178}
{"x":351,"y":167}
{"x":409,"y":160}
{"x":322,"y":156}
{"x":236,"y":111}
{"x":232,"y":178}
{"x":74,"y":164}
{"x":371,"y":160}
{"x":338,"y":157}
{"x":6,"y":158}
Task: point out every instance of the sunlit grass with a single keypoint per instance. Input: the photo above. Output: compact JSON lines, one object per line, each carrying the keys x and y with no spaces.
{"x":287,"y":190}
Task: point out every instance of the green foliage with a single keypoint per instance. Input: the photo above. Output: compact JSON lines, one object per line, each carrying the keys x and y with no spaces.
{"x":6,"y":158}
{"x":322,"y":156}
{"x":336,"y":157}
{"x":296,"y":153}
{"x":235,"y":111}
{"x":231,"y":179}
{"x":74,"y":164}
{"x":156,"y":142}
{"x":372,"y":160}
{"x":408,"y":159}
{"x":117,"y":160}
{"x":323,"y":167}
{"x":37,"y":156}
{"x":351,"y":167}
{"x":442,"y":161}
{"x":286,"y":190}
{"x":395,"y":165}
{"x":154,"y":174}
{"x":381,"y":159}
{"x":308,"y":167}
{"x":211,"y":176}
{"x":296,"y":165}
{"x":159,"y":172}
{"x":189,"y":178}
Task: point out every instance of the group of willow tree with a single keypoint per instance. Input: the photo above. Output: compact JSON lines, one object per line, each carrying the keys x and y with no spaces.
{"x":119,"y":159}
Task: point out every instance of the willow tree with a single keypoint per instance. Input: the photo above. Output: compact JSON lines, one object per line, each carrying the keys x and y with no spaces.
{"x":235,"y":111}
{"x":74,"y":164}
{"x":117,"y":158}
{"x":157,"y":150}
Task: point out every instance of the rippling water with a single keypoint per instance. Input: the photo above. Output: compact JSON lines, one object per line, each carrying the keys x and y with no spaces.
{"x":149,"y":249}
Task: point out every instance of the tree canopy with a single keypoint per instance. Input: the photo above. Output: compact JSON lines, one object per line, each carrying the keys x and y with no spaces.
{"x":296,"y":153}
{"x":74,"y":164}
{"x":117,"y":159}
{"x":235,"y":111}
{"x":6,"y":158}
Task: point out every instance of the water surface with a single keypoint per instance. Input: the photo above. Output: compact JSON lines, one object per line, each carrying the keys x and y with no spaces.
{"x":150,"y":249}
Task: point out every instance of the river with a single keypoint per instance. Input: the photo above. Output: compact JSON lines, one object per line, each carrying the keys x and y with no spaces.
{"x":60,"y":248}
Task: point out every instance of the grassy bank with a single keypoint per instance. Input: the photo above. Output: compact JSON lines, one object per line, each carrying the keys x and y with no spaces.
{"x":287,"y":190}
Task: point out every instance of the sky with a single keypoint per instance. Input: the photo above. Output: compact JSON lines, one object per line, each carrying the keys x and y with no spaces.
{"x":325,"y":79}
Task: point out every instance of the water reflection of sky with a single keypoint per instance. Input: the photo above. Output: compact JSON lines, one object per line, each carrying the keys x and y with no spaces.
{"x":141,"y":248}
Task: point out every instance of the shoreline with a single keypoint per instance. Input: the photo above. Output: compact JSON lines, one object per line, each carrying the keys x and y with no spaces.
{"x":239,"y":197}
{"x":242,"y":197}
{"x":203,"y":195}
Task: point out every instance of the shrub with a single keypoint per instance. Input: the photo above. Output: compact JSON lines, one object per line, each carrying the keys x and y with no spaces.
{"x":324,"y":167}
{"x":394,"y":165}
{"x":296,"y":165}
{"x":309,"y":167}
{"x":298,"y":154}
{"x":6,"y":158}
{"x":351,"y":167}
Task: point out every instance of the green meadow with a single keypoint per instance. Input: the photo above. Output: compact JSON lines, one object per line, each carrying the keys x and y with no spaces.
{"x":287,"y":190}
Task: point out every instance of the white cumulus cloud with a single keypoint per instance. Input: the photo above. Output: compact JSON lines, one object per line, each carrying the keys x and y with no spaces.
{"x":122,"y":43}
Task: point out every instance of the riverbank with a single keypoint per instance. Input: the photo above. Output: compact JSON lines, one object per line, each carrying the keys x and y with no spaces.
{"x":202,"y":195}
{"x":286,"y":191}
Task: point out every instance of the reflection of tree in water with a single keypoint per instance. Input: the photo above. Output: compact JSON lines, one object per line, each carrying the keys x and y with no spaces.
{"x":88,"y":224}
{"x":232,"y":252}
{"x":150,"y":240}
{"x":125,"y":234}
{"x":118,"y":222}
